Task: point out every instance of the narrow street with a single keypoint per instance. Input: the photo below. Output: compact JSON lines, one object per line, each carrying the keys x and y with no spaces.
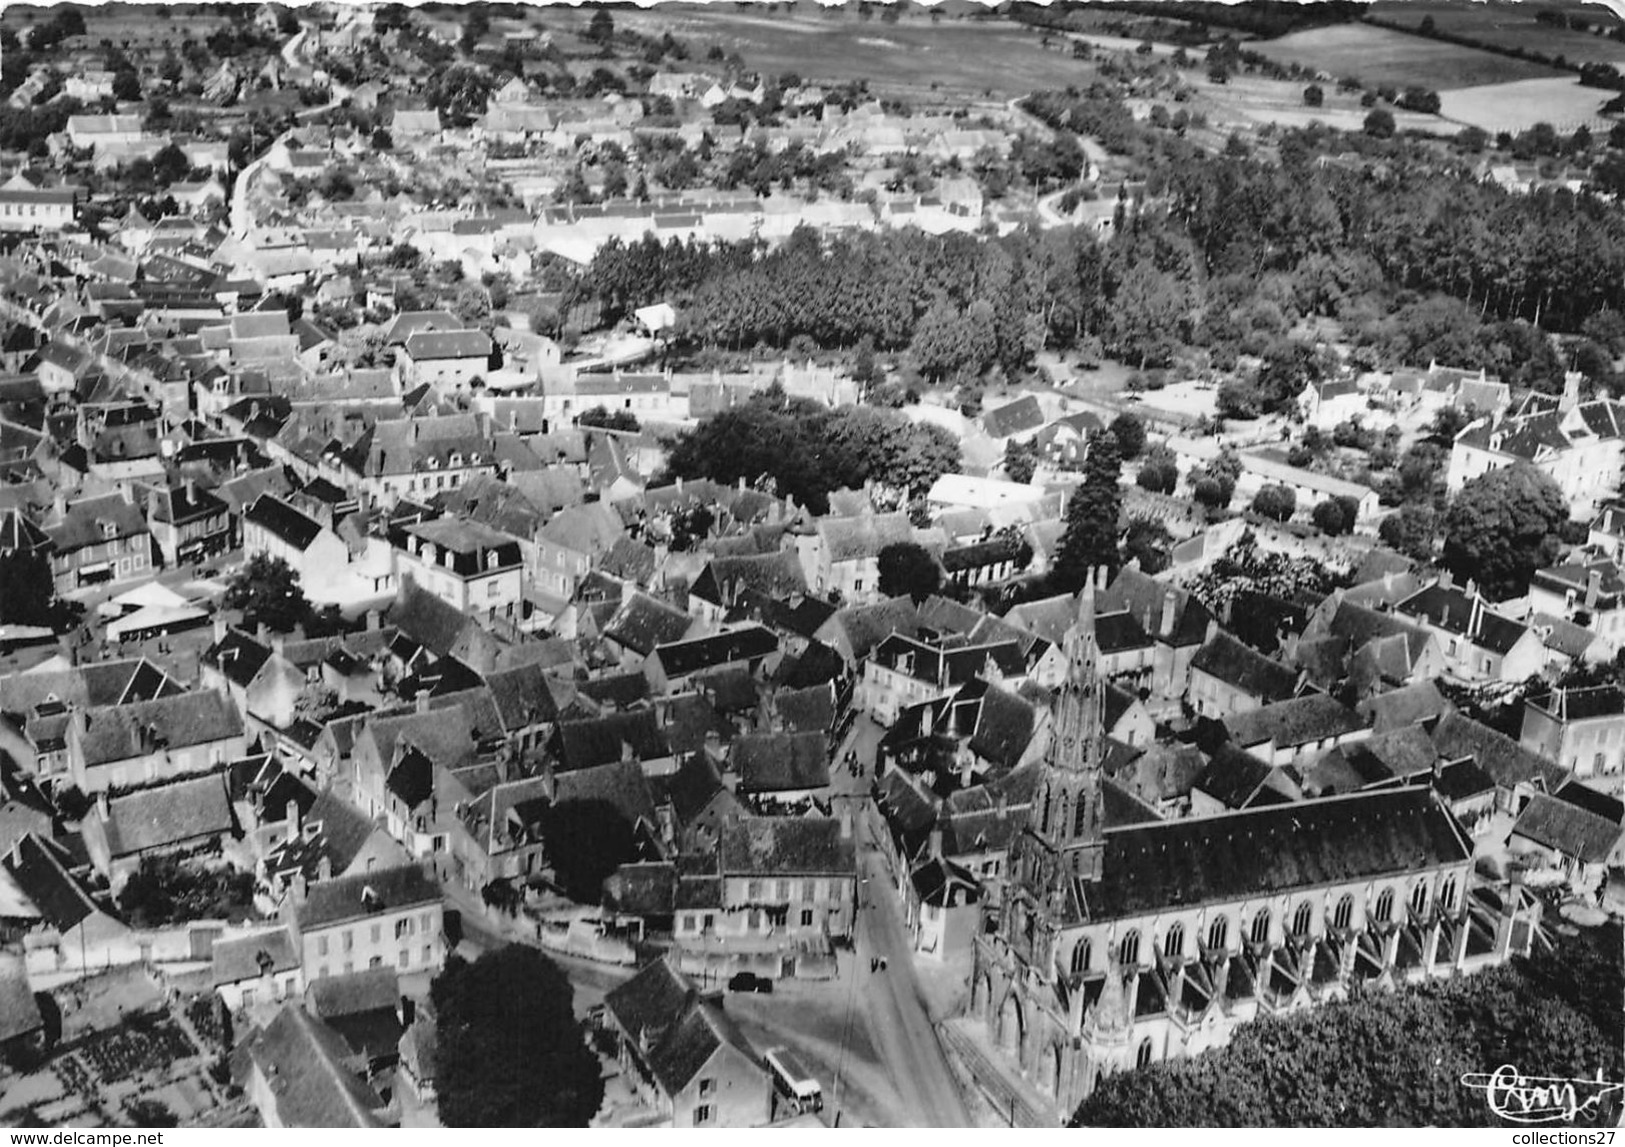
{"x":893,"y":1006}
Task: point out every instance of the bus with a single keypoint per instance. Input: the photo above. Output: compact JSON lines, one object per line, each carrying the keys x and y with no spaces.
{"x":794,"y":1082}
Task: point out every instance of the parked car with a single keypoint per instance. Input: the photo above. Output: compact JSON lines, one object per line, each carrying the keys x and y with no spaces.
{"x":750,"y":982}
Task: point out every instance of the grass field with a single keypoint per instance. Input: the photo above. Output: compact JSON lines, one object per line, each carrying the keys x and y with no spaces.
{"x":1512,"y":25}
{"x":1247,"y":101}
{"x":1379,"y":56}
{"x":1513,"y":107}
{"x":910,"y":55}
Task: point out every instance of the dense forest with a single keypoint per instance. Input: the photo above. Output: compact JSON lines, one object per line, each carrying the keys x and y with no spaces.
{"x":1225,"y":254}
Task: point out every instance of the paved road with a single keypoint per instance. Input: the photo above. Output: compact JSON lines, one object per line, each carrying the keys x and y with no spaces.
{"x":893,"y":1007}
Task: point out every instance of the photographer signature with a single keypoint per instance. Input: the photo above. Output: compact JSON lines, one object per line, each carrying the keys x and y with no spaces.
{"x":1540,"y":1098}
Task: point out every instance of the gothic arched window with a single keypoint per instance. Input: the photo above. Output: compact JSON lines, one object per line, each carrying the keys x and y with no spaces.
{"x":1128,"y":952}
{"x":1385,"y":906}
{"x":1173,"y":944}
{"x":1419,"y":898}
{"x":1080,"y":816}
{"x":1261,"y":926}
{"x":1447,"y":894}
{"x":1343,"y":914}
{"x":1218,"y":933}
{"x":1143,"y":1057}
{"x":1081,"y":952}
{"x":1303,"y":920}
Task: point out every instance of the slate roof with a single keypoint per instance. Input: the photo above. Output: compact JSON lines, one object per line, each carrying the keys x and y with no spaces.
{"x":303,"y":1061}
{"x":522,"y":697}
{"x":642,"y":622}
{"x":674,"y":1029}
{"x":1581,"y":704}
{"x":853,"y":539}
{"x":1294,"y":722}
{"x":619,"y":783}
{"x":82,"y":525}
{"x":1243,"y":668}
{"x":1143,"y":596}
{"x":681,"y":658}
{"x":600,"y":740}
{"x":1005,"y":724}
{"x":238,"y":656}
{"x":40,"y":868}
{"x":1570,"y":829}
{"x":1013,"y":418}
{"x":1401,"y":707}
{"x":1233,"y":778}
{"x":335,"y":901}
{"x":239,"y":958}
{"x":725,"y":578}
{"x":781,"y":762}
{"x":167,"y":815}
{"x":1452,"y":611}
{"x":1267,"y":851}
{"x":1508,"y":762}
{"x":775,"y":846}
{"x":116,"y":733}
{"x":283,"y":521}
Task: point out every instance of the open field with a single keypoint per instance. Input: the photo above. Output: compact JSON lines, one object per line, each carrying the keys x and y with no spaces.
{"x":1379,"y":56}
{"x":1248,"y":100}
{"x":912,"y":54}
{"x":1512,"y":25}
{"x":143,"y":25}
{"x":1514,"y":107}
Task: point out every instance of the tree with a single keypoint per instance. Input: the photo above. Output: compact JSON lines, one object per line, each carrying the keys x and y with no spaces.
{"x":1335,"y":515}
{"x":1129,"y":432}
{"x":26,"y":589}
{"x":126,"y":84}
{"x":1314,"y":96}
{"x":1159,"y":471}
{"x":1278,"y":502}
{"x":1090,"y":538}
{"x":601,"y":28}
{"x":1148,"y":542}
{"x":908,"y":568}
{"x":267,"y":591}
{"x":163,"y":891}
{"x":1020,"y":461}
{"x":150,"y":1113}
{"x":1411,"y":531}
{"x":1379,"y":123}
{"x":511,"y":1052}
{"x":586,"y":841}
{"x":1502,"y":527}
{"x":608,"y":419}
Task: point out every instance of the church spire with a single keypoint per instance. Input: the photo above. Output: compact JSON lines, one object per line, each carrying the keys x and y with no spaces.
{"x":1069,"y":816}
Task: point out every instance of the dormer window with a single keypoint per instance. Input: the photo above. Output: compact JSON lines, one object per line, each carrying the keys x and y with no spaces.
{"x":456,"y":460}
{"x":109,"y":530}
{"x":434,"y":463}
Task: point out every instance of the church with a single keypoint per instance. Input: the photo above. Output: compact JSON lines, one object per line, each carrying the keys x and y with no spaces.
{"x":1118,"y":947}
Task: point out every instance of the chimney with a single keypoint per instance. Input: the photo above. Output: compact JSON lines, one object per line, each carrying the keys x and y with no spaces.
{"x":219,"y":628}
{"x":276,"y":643}
{"x":292,"y":821}
{"x":324,"y":868}
{"x":1446,"y":581}
{"x":935,"y":844}
{"x":1472,"y":588}
{"x":1169,"y":602}
{"x":374,"y":619}
{"x":1593,"y":588}
{"x":59,"y":504}
{"x":422,"y":701}
{"x":846,"y":825}
{"x":127,"y":493}
{"x":101,"y":806}
{"x":1476,"y":618}
{"x":262,"y":633}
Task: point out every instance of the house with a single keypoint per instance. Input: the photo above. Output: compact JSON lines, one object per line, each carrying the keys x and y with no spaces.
{"x":777,"y":880}
{"x":1587,"y":592}
{"x":188,"y":814}
{"x":1287,"y":731}
{"x":683,"y":1055}
{"x":1229,"y":677}
{"x":125,"y":745}
{"x":97,"y":540}
{"x":74,"y":930}
{"x":903,"y":671}
{"x":841,"y":556}
{"x":1479,"y":644}
{"x":451,"y":359}
{"x":1577,"y":830}
{"x":471,"y":567}
{"x":408,"y":128}
{"x":256,"y":967}
{"x":1177,"y":623}
{"x":262,"y":683}
{"x":1235,"y":780}
{"x":296,"y":1072}
{"x":1580,"y":446}
{"x":330,"y":569}
{"x":389,"y":916}
{"x":1583,"y":730}
{"x":332,"y":838}
{"x":943,"y":909}
{"x":673,"y":664}
{"x":187,"y":524}
{"x":39,"y":209}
